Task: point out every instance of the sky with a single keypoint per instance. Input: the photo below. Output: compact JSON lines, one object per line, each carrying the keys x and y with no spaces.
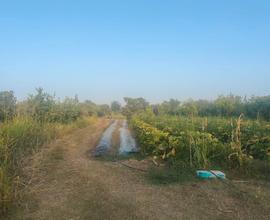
{"x":156,"y":49}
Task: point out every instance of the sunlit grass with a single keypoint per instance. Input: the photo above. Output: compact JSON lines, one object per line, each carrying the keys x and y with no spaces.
{"x":19,"y":138}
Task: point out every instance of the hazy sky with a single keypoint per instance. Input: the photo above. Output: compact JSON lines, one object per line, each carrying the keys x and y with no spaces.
{"x":104,"y":50}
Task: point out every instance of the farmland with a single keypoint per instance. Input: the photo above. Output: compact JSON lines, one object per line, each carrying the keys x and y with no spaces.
{"x":206,"y":142}
{"x":50,"y":168}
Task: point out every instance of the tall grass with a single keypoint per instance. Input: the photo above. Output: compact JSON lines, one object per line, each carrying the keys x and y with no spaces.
{"x":19,"y":138}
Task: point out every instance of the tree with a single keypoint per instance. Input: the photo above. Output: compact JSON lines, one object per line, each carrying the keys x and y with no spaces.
{"x":134,"y":105}
{"x":115,"y":106}
{"x":155,"y":109}
{"x":205,"y":108}
{"x":89,"y":108}
{"x":65,"y":112}
{"x":103,"y":110}
{"x":229,"y":105}
{"x":7,"y":105}
{"x":258,"y":107}
{"x":189,"y":108}
{"x":171,"y":107}
{"x":40,"y":104}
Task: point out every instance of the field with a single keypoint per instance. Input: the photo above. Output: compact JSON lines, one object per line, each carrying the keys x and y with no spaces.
{"x":79,"y":160}
{"x":206,"y":142}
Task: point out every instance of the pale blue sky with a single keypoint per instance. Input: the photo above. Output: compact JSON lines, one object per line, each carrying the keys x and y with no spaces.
{"x":104,"y":50}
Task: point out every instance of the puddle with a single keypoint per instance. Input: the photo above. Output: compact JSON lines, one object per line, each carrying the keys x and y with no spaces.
{"x":106,"y":139}
{"x":127,"y":142}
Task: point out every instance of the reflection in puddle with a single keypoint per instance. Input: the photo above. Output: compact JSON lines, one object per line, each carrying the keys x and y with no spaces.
{"x":105,"y":142}
{"x":127,"y":142}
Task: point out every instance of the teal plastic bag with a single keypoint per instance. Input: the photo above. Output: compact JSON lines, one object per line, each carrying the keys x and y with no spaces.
{"x":205,"y":174}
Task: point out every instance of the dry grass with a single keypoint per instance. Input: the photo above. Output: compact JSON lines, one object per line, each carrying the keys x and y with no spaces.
{"x":19,"y":139}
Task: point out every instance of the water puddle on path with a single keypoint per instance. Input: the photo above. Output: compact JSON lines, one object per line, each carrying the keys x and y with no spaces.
{"x":106,"y":140}
{"x":127,"y":142}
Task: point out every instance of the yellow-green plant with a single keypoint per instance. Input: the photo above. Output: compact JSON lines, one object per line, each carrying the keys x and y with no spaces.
{"x":18,"y":138}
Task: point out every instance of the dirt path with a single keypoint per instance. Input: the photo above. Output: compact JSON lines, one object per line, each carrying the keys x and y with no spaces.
{"x":66,"y":183}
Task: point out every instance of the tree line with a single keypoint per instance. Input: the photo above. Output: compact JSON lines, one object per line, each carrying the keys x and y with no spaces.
{"x":255,"y":107}
{"x":45,"y":107}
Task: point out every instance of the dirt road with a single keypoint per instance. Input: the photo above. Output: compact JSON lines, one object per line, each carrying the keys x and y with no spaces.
{"x":66,"y":183}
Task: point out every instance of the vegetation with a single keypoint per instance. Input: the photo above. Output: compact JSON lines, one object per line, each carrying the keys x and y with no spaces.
{"x":134,"y":106}
{"x":116,"y":106}
{"x":7,"y":105}
{"x":189,"y":135}
{"x":27,"y":125}
{"x":223,"y":106}
{"x":230,"y":132}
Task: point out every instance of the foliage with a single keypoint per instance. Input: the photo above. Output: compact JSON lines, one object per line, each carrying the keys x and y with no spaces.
{"x":103,"y":110}
{"x":115,"y":106}
{"x":65,"y":112}
{"x":150,"y":138}
{"x":134,"y":105}
{"x":27,"y":125}
{"x":40,"y":105}
{"x":202,"y":142}
{"x":7,"y":105}
{"x":223,"y":106}
{"x":259,"y":107}
{"x":88,"y":108}
{"x":170,"y":107}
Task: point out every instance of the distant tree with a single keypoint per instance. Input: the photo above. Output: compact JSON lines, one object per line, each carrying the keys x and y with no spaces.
{"x":155,"y":109}
{"x":258,"y":107}
{"x":115,"y":106}
{"x":189,"y":108}
{"x":171,"y":107}
{"x":205,"y":107}
{"x":103,"y":110}
{"x":69,"y":110}
{"x":134,"y":105}
{"x":229,"y":105}
{"x":89,"y":108}
{"x":40,"y":104}
{"x":7,"y":105}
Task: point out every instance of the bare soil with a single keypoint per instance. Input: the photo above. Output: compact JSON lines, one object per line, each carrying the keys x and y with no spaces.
{"x":65,"y":182}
